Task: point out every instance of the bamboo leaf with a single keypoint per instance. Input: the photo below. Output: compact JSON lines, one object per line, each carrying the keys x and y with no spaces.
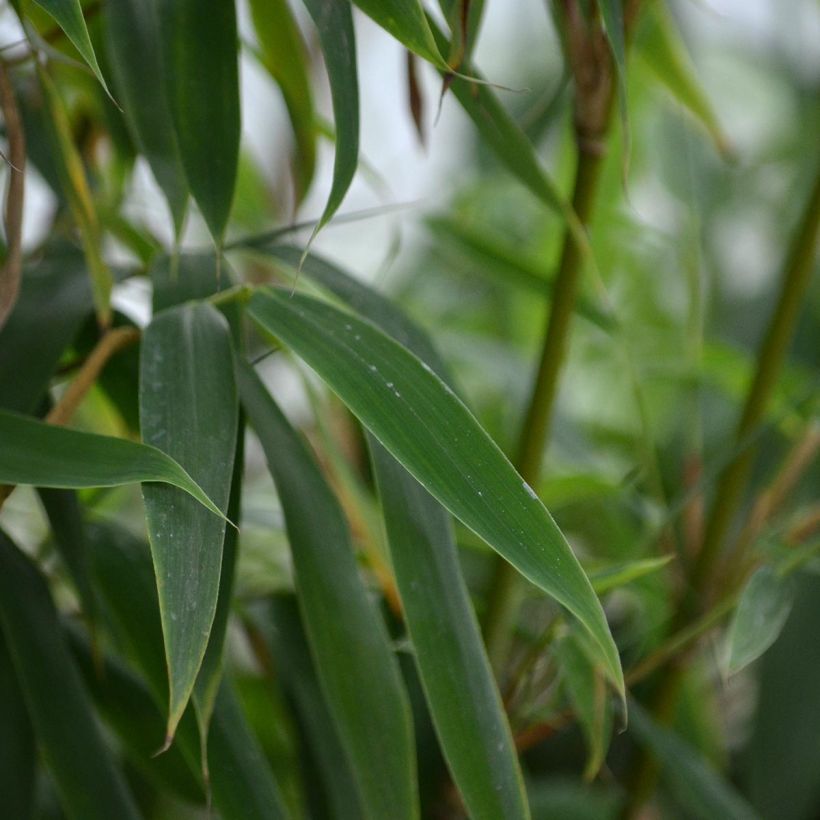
{"x":89,"y":782}
{"x":760,"y":616}
{"x":283,"y":55}
{"x":190,"y":412}
{"x":659,"y":45}
{"x":405,"y":20}
{"x":612,"y":14}
{"x":69,"y":17}
{"x":199,"y":47}
{"x":47,"y":456}
{"x":334,"y":23}
{"x":348,"y":639}
{"x":619,"y":575}
{"x":699,"y":789}
{"x":428,"y":429}
{"x":132,"y":35}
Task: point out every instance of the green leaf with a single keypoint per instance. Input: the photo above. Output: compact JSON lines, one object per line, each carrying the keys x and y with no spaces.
{"x":132,"y":35}
{"x":348,"y":639}
{"x":188,"y":411}
{"x":619,"y":575}
{"x":405,"y":20}
{"x":428,"y":429}
{"x":199,"y":46}
{"x":659,"y":45}
{"x":18,"y":752}
{"x":281,"y":628}
{"x":283,"y":54}
{"x":612,"y":14}
{"x":334,"y":22}
{"x":47,"y":456}
{"x":699,"y":790}
{"x":458,"y":682}
{"x":760,"y":616}
{"x":69,"y":17}
{"x":90,"y":784}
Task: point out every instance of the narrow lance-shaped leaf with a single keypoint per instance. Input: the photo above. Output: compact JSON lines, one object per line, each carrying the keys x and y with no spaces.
{"x":334,"y":23}
{"x":618,"y":575}
{"x":429,"y":430}
{"x":188,"y":409}
{"x":348,"y":639}
{"x":406,"y":21}
{"x":283,"y":55}
{"x":199,"y":47}
{"x":75,"y":188}
{"x":69,"y":16}
{"x":612,"y":14}
{"x":91,"y":786}
{"x":47,"y":456}
{"x":132,"y":35}
{"x":759,"y":618}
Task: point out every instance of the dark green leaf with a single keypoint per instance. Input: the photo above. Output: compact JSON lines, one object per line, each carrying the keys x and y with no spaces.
{"x":89,"y":782}
{"x":188,"y":409}
{"x":132,"y":36}
{"x":405,"y":20}
{"x":199,"y":48}
{"x":428,"y":429}
{"x":47,"y":456}
{"x":334,"y":22}
{"x":357,"y":670}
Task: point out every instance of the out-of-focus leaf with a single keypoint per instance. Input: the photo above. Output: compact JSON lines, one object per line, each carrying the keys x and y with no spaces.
{"x":571,"y":800}
{"x":764,"y":607}
{"x":464,"y":18}
{"x":65,"y":518}
{"x":47,"y":456}
{"x":89,"y":781}
{"x":18,"y":753}
{"x":350,"y":646}
{"x":132,"y":36}
{"x":55,"y":299}
{"x":334,"y":22}
{"x":612,"y":14}
{"x":605,"y":580}
{"x":188,"y":411}
{"x":698,"y":789}
{"x":659,"y":45}
{"x":281,"y":627}
{"x":75,"y":189}
{"x":69,"y":16}
{"x":199,"y":48}
{"x":283,"y":55}
{"x":405,"y":20}
{"x":428,"y":429}
{"x":586,"y":691}
{"x":458,"y":682}
{"x":244,"y":789}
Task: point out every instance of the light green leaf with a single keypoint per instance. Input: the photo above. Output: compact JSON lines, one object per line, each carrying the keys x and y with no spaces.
{"x":47,"y":456}
{"x":91,"y":786}
{"x":334,"y":23}
{"x":405,"y":20}
{"x":283,"y":55}
{"x":699,"y":790}
{"x":199,"y":48}
{"x":760,"y":616}
{"x":659,"y":45}
{"x":348,"y":639}
{"x":188,"y":411}
{"x":132,"y":36}
{"x":619,"y":575}
{"x":69,"y":17}
{"x":434,"y":436}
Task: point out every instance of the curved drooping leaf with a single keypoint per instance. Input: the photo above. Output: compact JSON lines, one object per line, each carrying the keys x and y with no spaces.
{"x":428,"y":429}
{"x":349,"y":642}
{"x":199,"y":47}
{"x":406,"y":21}
{"x":69,"y":17}
{"x":47,"y":456}
{"x":188,"y":409}
{"x":132,"y":35}
{"x":760,"y":616}
{"x":89,"y":781}
{"x":334,"y":23}
{"x":283,"y":55}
